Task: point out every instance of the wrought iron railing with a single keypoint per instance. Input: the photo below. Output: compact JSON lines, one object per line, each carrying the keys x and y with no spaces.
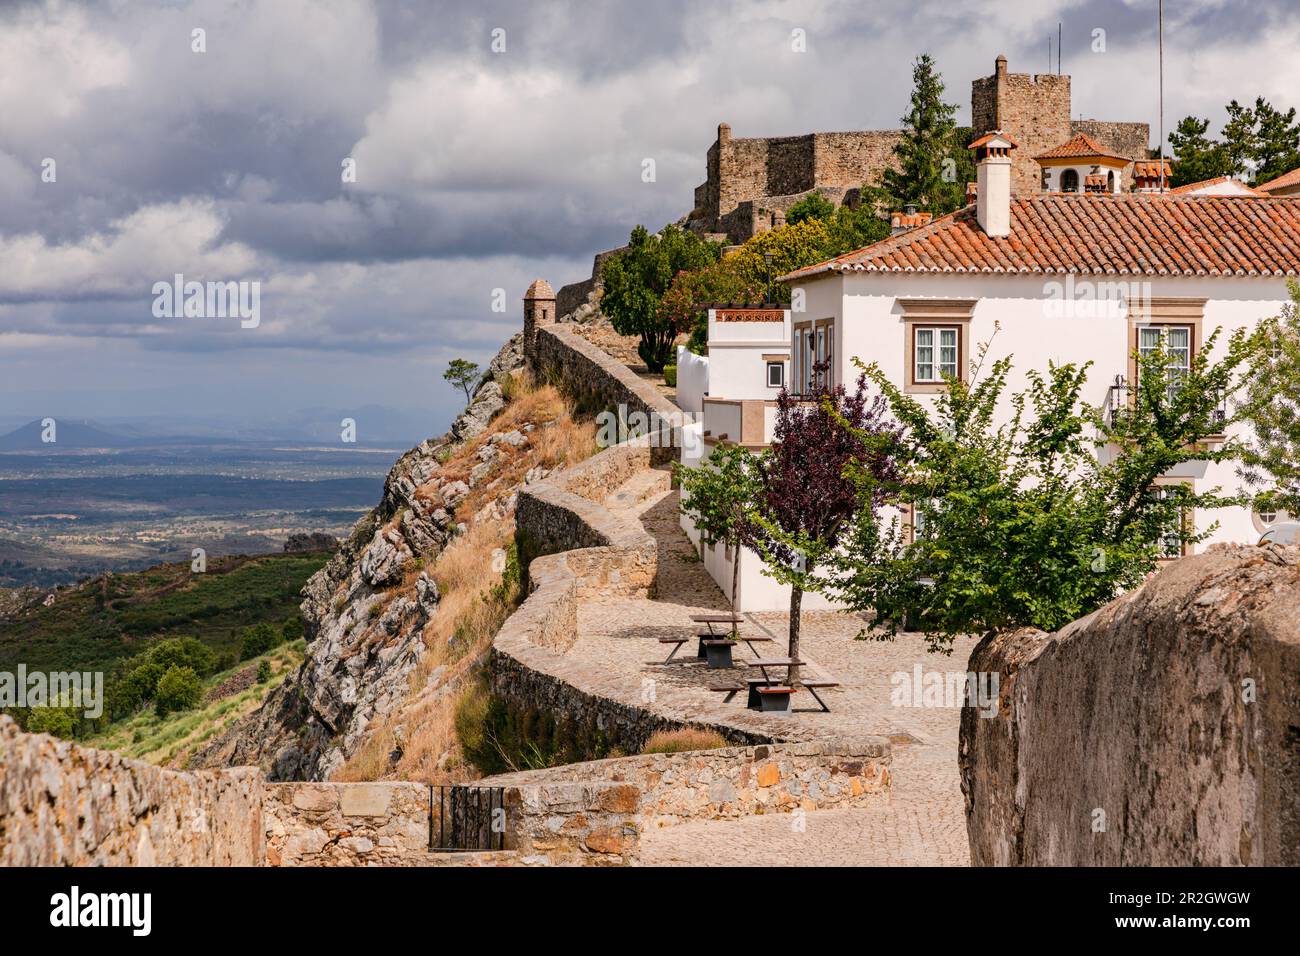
{"x":1118,"y":397}
{"x":466,"y":818}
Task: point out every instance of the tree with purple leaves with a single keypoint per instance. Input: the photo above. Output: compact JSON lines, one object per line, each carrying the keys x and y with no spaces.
{"x":808,"y":498}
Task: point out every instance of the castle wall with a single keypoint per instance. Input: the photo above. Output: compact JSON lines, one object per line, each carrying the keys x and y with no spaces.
{"x":1123,"y":139}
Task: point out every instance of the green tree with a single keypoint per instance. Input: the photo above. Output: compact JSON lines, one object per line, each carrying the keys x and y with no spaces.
{"x":1271,"y":462}
{"x":933,"y":164}
{"x":719,"y":497}
{"x":257,"y":640}
{"x":1197,"y":156}
{"x":1239,"y":140}
{"x":59,"y":722}
{"x":462,"y":373}
{"x":1258,"y":143}
{"x":1022,"y":522}
{"x":636,"y":279}
{"x":1277,"y":141}
{"x":179,"y":688}
{"x":812,"y":206}
{"x":263,"y":672}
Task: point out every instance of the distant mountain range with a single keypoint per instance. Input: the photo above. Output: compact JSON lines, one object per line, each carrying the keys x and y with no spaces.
{"x":375,"y":425}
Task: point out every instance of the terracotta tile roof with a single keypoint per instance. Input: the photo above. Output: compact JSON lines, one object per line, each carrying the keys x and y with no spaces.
{"x":1282,"y":182}
{"x":902,"y":220}
{"x":1150,"y":168}
{"x":1133,"y":234}
{"x":1080,"y":146}
{"x":992,"y":135}
{"x":1192,"y":187}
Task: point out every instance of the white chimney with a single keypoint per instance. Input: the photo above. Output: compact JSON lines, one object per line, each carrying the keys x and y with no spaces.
{"x":993,"y":182}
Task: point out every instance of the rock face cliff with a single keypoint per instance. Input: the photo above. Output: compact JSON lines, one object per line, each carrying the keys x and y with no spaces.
{"x":362,"y":641}
{"x":1161,"y":730}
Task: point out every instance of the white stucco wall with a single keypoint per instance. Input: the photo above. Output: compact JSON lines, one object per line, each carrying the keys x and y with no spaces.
{"x":870,"y":326}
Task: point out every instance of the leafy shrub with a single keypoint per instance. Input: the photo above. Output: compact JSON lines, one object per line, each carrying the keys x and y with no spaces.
{"x":670,"y":376}
{"x":686,"y":738}
{"x":292,"y":629}
{"x":56,"y":721}
{"x":135,"y":680}
{"x":180,"y":688}
{"x":263,"y":672}
{"x":257,"y":640}
{"x":812,"y":206}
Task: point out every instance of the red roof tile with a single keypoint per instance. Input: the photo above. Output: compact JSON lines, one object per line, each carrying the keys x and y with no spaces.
{"x":1192,"y":187}
{"x":1080,"y":146}
{"x":1282,"y":182}
{"x":1133,"y":234}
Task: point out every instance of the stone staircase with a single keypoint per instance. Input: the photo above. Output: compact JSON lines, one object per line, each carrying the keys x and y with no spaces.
{"x":640,"y":488}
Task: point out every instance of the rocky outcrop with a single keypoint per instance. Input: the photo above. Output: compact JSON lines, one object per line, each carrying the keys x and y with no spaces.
{"x":364,"y":640}
{"x":1161,"y":730}
{"x":310,"y":541}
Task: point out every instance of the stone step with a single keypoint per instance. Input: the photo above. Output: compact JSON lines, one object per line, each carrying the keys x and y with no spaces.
{"x":642,"y":486}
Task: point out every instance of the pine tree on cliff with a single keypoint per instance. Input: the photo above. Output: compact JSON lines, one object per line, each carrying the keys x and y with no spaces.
{"x":933,"y":162}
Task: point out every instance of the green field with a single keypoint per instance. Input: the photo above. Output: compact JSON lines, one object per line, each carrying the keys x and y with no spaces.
{"x":92,"y":627}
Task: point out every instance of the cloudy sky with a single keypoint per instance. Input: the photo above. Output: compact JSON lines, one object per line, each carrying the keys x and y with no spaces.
{"x":475,"y":170}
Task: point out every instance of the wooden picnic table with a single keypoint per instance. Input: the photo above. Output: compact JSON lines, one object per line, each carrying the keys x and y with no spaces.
{"x":716,"y":619}
{"x":711,"y":619}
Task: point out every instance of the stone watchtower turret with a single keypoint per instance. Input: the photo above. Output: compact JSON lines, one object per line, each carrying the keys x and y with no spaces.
{"x":539,"y":309}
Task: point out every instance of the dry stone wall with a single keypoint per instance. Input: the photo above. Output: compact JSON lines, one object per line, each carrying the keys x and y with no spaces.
{"x":66,"y":805}
{"x":732,"y":782}
{"x":1161,"y":730}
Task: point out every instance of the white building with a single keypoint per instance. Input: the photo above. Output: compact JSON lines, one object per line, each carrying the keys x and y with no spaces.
{"x":1052,"y":277}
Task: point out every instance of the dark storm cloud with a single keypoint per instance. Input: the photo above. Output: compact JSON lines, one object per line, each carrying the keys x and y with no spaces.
{"x":476,"y":170}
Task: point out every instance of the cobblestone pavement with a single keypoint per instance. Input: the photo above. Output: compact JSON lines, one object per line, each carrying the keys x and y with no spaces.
{"x":920,"y":822}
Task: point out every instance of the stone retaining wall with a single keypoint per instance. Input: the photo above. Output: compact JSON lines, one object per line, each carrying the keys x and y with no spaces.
{"x":1159,"y":731}
{"x":737,"y":781}
{"x":66,"y":805}
{"x":576,"y":549}
{"x":586,"y":369}
{"x":561,"y":823}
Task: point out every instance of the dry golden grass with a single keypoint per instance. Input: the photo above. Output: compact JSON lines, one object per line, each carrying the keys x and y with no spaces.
{"x":473,"y":603}
{"x":686,"y":738}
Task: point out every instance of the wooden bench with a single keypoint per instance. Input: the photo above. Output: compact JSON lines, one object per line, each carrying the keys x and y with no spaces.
{"x":731,"y":690}
{"x":812,"y":685}
{"x":775,"y":699}
{"x":677,"y":643}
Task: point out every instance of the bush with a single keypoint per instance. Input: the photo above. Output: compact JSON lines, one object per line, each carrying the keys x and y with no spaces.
{"x":292,"y":629}
{"x":180,"y":688}
{"x":257,"y":640}
{"x":263,"y":672}
{"x":812,"y":206}
{"x":687,"y":738}
{"x":670,"y":376}
{"x":135,"y":680}
{"x":56,"y":721}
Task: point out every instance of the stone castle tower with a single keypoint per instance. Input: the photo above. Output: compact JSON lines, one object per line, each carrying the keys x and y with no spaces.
{"x":1034,"y":110}
{"x":751,"y":182}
